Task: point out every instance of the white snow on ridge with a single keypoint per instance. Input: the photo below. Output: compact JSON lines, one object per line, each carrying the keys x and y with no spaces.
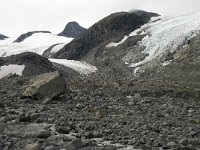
{"x":164,"y":35}
{"x":168,"y":35}
{"x":11,"y":69}
{"x":81,"y":67}
{"x":37,"y":43}
{"x":57,"y":47}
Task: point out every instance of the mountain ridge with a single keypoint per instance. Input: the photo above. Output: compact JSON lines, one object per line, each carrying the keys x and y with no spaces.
{"x":3,"y":37}
{"x":24,"y":36}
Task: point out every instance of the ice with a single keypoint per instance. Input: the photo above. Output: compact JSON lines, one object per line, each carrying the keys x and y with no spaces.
{"x":11,"y":69}
{"x":168,"y":35}
{"x":164,"y":35}
{"x":81,"y":67}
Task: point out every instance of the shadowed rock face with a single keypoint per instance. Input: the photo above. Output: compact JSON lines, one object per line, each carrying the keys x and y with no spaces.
{"x":72,"y":29}
{"x":3,"y":37}
{"x":28,"y":34}
{"x":34,"y":63}
{"x":115,"y":25}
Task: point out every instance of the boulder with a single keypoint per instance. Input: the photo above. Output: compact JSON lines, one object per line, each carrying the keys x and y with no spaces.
{"x":34,"y":146}
{"x":45,"y":86}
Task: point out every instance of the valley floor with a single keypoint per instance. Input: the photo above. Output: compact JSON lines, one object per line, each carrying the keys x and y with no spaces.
{"x":106,"y":113}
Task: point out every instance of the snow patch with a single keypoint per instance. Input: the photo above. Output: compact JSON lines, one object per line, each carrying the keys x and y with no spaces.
{"x":11,"y":69}
{"x":81,"y":67}
{"x":116,"y":44}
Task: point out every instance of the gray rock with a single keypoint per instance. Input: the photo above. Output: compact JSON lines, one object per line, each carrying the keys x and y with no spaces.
{"x":77,"y":144}
{"x":50,"y":148}
{"x":63,"y":130}
{"x":110,"y":147}
{"x":2,"y":127}
{"x":34,"y":146}
{"x":45,"y":86}
{"x":172,"y":145}
{"x":43,"y":134}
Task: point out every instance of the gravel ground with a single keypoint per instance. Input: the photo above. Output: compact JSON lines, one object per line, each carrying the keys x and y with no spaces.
{"x":104,"y":115}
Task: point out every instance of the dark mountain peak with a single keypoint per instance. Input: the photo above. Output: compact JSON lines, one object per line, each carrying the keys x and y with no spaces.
{"x":138,"y":12}
{"x":3,"y":37}
{"x":73,"y":23}
{"x":72,"y":29}
{"x":28,"y":34}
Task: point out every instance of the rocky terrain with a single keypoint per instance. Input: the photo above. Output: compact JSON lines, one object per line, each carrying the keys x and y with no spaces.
{"x":72,"y":29}
{"x":122,"y":106}
{"x":3,"y":37}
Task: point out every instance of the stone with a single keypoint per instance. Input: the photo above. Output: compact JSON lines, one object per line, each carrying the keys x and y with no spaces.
{"x":34,"y":146}
{"x":110,"y":147}
{"x":77,"y":143}
{"x":45,"y":86}
{"x":2,"y":127}
{"x":63,"y":130}
{"x":172,"y":145}
{"x":184,"y":141}
{"x":43,"y":134}
{"x":50,"y":148}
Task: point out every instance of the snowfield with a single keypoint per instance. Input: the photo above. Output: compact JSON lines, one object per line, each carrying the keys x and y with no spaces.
{"x":36,"y":43}
{"x":80,"y":67}
{"x":11,"y":69}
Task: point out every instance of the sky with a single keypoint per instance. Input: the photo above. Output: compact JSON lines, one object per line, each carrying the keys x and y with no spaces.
{"x":20,"y":16}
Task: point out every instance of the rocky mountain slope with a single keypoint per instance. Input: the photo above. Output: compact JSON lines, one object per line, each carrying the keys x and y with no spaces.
{"x":133,"y":84}
{"x":73,"y":30}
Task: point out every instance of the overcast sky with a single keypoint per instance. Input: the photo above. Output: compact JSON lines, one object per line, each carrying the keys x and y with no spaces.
{"x":19,"y":16}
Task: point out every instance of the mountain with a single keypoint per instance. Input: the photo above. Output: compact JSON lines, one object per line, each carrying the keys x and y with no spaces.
{"x":112,"y":27}
{"x":133,"y":82}
{"x":27,"y":35}
{"x":3,"y":37}
{"x":73,"y":30}
{"x":36,"y":42}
